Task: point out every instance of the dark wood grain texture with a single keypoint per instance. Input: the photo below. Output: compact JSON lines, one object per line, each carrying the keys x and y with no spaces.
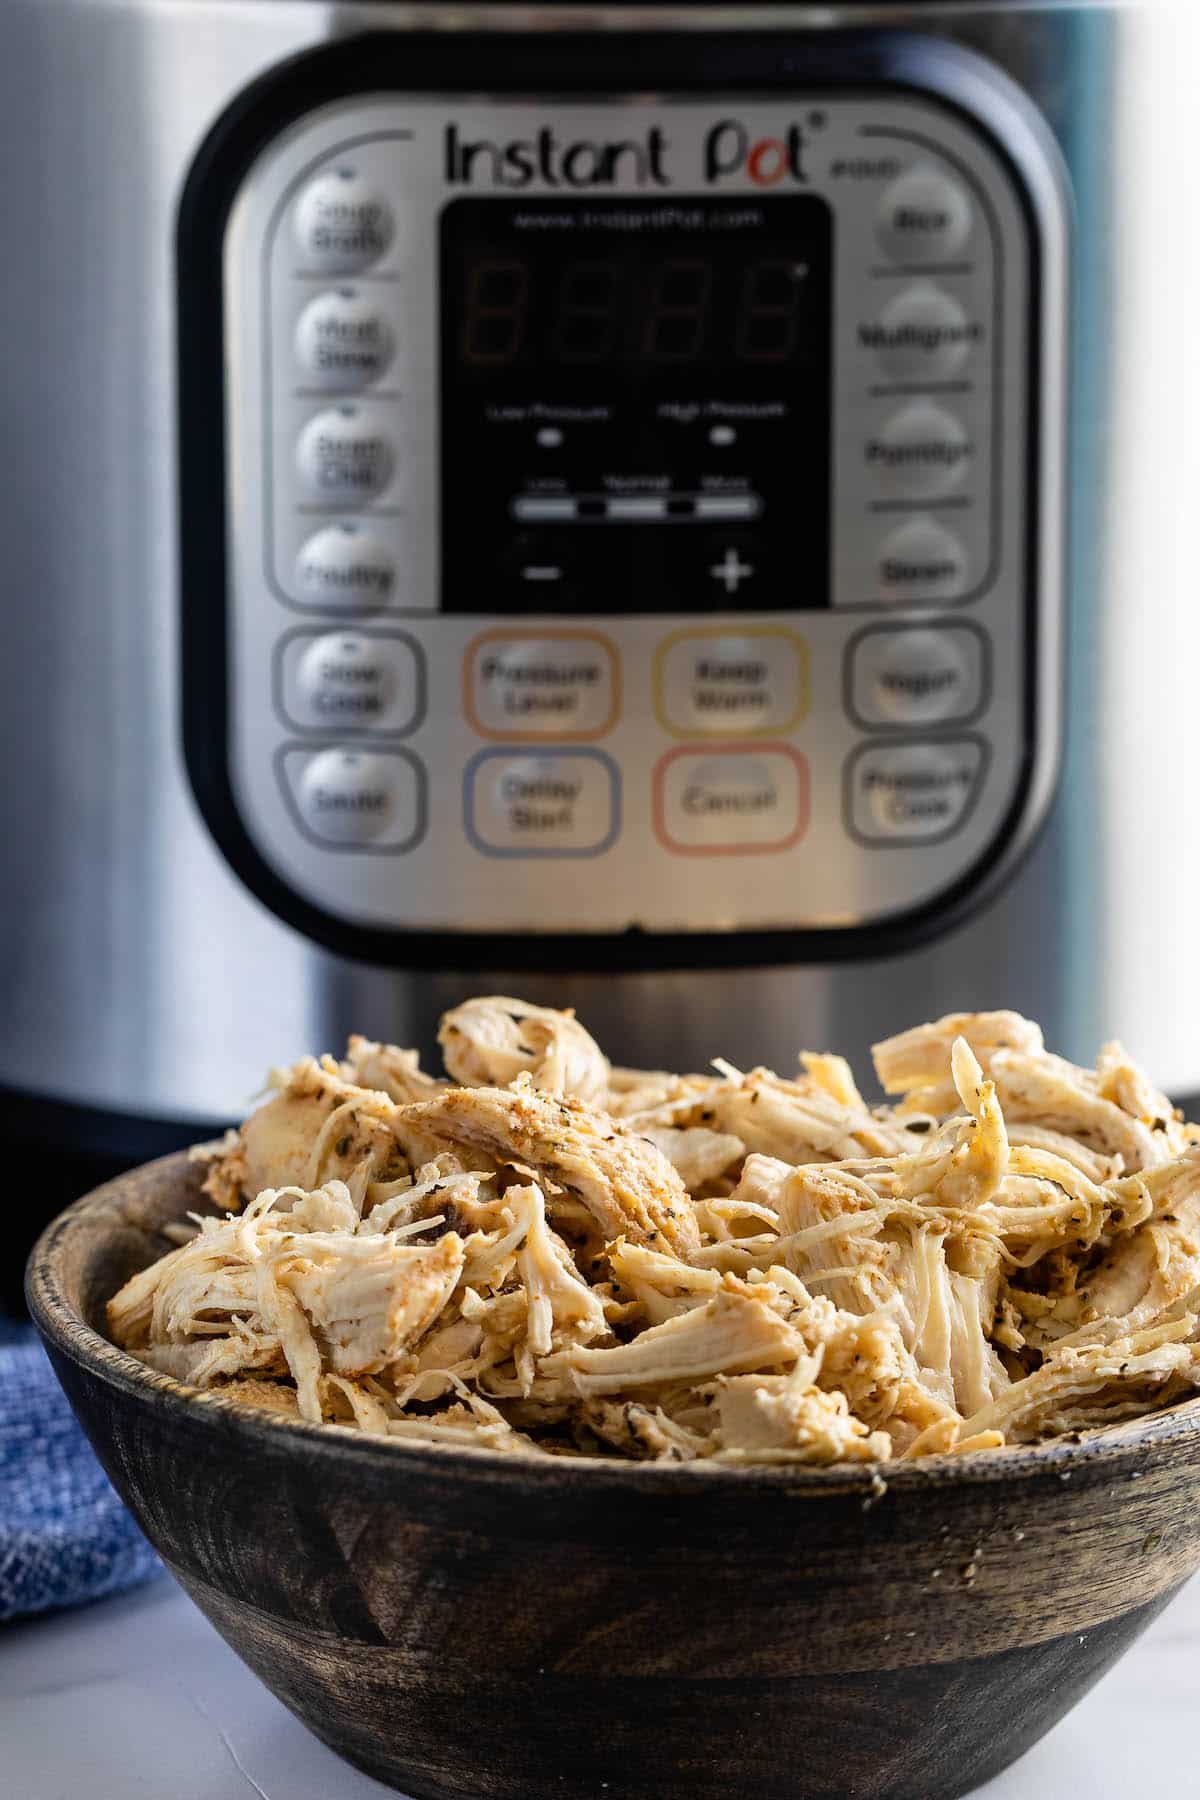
{"x":468,"y":1626}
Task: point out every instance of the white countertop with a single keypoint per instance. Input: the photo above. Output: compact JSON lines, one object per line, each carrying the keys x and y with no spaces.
{"x":137,"y":1698}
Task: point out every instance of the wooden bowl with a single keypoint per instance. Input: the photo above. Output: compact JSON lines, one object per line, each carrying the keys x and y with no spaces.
{"x":462,"y":1624}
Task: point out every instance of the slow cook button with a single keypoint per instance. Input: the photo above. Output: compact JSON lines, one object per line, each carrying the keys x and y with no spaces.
{"x":924,"y":216}
{"x":346,"y":565}
{"x":912,"y":793}
{"x":352,"y":799}
{"x":748,"y":800}
{"x":922,"y":560}
{"x":922,"y":333}
{"x":731,"y":684}
{"x":542,"y":802}
{"x":917,"y":676}
{"x":338,"y":680}
{"x":342,"y":221}
{"x":922,"y":452}
{"x":552,"y":684}
{"x":343,"y":455}
{"x":343,"y":340}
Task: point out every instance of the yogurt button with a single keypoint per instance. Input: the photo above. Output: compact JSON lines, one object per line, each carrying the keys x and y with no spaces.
{"x":924,"y":216}
{"x":742,"y":800}
{"x":916,"y":677}
{"x":912,"y":793}
{"x":922,"y":452}
{"x":339,"y":680}
{"x":343,"y":340}
{"x":343,"y":455}
{"x":358,"y":799}
{"x":346,"y":565}
{"x":922,"y":332}
{"x":922,"y":560}
{"x":342,"y":221}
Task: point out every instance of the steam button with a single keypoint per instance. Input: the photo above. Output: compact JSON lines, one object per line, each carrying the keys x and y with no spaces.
{"x":355,"y":799}
{"x":342,"y":222}
{"x":343,"y":340}
{"x":343,"y":455}
{"x":922,"y":560}
{"x":924,"y":216}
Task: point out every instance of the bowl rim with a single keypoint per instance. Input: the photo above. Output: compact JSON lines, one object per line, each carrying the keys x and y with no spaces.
{"x":63,"y":1328}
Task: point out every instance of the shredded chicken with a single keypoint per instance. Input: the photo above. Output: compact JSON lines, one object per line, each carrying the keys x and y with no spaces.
{"x":544,"y":1254}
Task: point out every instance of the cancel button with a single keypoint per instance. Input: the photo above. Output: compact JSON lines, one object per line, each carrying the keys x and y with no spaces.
{"x":744,"y":799}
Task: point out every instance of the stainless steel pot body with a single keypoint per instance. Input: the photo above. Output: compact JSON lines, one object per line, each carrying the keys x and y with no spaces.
{"x":140,"y":978}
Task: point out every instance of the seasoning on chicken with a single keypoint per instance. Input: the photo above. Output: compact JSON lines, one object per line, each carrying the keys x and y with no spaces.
{"x":489,"y":1042}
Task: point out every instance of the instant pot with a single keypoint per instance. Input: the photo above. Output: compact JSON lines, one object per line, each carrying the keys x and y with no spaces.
{"x":625,"y":504}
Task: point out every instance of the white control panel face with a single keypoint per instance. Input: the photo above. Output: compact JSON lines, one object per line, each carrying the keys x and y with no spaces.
{"x":628,"y":509}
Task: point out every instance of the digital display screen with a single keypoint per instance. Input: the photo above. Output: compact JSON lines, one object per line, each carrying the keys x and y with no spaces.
{"x":635,"y":393}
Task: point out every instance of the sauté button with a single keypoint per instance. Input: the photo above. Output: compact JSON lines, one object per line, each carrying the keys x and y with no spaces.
{"x":922,"y":452}
{"x":343,"y":340}
{"x":541,"y":802}
{"x":346,"y":565}
{"x":924,"y":216}
{"x":912,"y":793}
{"x":922,"y":333}
{"x":342,"y":221}
{"x":343,"y":455}
{"x":748,"y":800}
{"x":337,"y":680}
{"x":916,"y":676}
{"x":922,"y":560}
{"x":358,"y":799}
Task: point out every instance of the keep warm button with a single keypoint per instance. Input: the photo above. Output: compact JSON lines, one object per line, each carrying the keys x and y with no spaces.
{"x":542,"y":802}
{"x":738,"y":801}
{"x":912,"y":793}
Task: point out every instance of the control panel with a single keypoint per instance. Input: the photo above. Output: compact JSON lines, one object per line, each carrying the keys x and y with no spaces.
{"x":630,"y":510}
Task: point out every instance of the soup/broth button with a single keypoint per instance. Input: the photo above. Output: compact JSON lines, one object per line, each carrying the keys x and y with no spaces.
{"x":342,"y":221}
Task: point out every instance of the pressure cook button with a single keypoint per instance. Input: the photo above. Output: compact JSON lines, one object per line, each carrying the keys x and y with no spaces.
{"x":343,"y":455}
{"x":912,"y":793}
{"x":922,"y":452}
{"x":922,"y":332}
{"x":535,"y":684}
{"x":915,"y":676}
{"x":342,"y":222}
{"x":351,"y":680}
{"x":922,"y":560}
{"x":343,"y":340}
{"x":358,"y":799}
{"x":541,"y":802}
{"x":346,"y":565}
{"x":731,"y":684}
{"x":924,"y":216}
{"x":749,"y":800}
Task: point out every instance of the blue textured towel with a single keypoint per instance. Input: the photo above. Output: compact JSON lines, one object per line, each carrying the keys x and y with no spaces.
{"x":64,"y":1535}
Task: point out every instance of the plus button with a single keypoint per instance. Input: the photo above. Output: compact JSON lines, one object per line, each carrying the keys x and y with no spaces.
{"x":731,"y":571}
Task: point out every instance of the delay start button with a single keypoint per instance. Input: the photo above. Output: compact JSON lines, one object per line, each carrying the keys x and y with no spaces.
{"x":739,"y":801}
{"x":542,"y":803}
{"x":912,"y":793}
{"x":350,"y":799}
{"x":553,"y":684}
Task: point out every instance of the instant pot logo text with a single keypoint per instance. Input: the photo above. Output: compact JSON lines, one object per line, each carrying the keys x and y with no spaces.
{"x":728,"y":151}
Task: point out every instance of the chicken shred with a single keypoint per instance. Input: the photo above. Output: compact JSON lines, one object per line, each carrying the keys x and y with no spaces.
{"x":545,"y":1254}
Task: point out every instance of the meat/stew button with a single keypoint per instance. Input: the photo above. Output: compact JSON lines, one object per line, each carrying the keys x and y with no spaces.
{"x":912,"y":793}
{"x":743,"y":800}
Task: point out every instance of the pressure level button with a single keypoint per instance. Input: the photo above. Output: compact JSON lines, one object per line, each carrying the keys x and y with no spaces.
{"x":343,"y":454}
{"x":924,"y":216}
{"x":343,"y":340}
{"x":342,"y":222}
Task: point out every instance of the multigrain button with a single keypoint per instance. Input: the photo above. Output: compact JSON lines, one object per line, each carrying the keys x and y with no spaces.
{"x":350,"y":680}
{"x":342,"y":222}
{"x":917,"y":676}
{"x":922,"y":560}
{"x":752,"y":799}
{"x":560,"y":685}
{"x":355,"y":799}
{"x":731,"y":684}
{"x":923,"y":333}
{"x":912,"y":793}
{"x":921,"y":453}
{"x":346,"y":565}
{"x":924,"y":216}
{"x":343,"y":340}
{"x":343,"y":454}
{"x":541,"y":802}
